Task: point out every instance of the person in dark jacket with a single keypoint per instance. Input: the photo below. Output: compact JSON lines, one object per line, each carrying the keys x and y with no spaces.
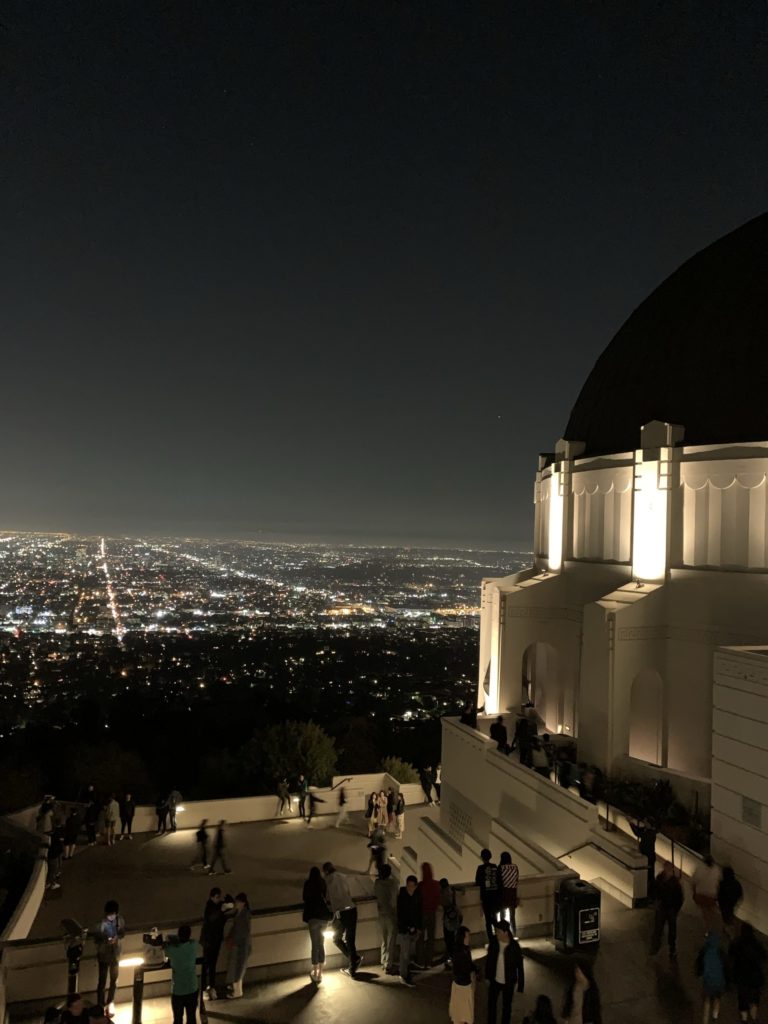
{"x":748,"y":971}
{"x":729,"y":895}
{"x":55,"y":853}
{"x":487,"y":879}
{"x":215,"y":916}
{"x":646,"y":841}
{"x":669,"y":900}
{"x":219,"y":846}
{"x":498,"y":733}
{"x":317,"y":914}
{"x":71,"y":832}
{"x":582,"y":1000}
{"x":303,"y":788}
{"x":408,"y":925}
{"x":90,"y":818}
{"x":504,"y":972}
{"x":201,"y":838}
{"x":127,"y":813}
{"x":108,"y":935}
{"x":161,"y":809}
{"x":461,"y":1008}
{"x":543,"y":1012}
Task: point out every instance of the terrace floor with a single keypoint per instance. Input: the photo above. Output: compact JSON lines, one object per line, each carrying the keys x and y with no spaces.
{"x":151,"y":879}
{"x":636,"y":988}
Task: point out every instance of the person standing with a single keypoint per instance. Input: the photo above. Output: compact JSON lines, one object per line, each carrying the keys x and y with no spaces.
{"x":343,"y":816}
{"x":377,"y":844}
{"x":111,"y":814}
{"x":504,"y":972}
{"x":314,"y":800}
{"x":381,"y":811}
{"x":711,"y":968}
{"x":90,"y":818}
{"x":748,"y":971}
{"x":646,"y":841}
{"x":669,"y":900}
{"x":429,"y":897}
{"x":182,"y":956}
{"x":385,"y":892}
{"x":451,"y":919}
{"x":211,"y":937}
{"x":438,"y":782}
{"x":283,"y":798}
{"x":316,"y":916}
{"x":461,"y":1008}
{"x":219,"y":845}
{"x":425,"y":779}
{"x":303,"y":788}
{"x":399,"y":816}
{"x":71,"y":832}
{"x":238,"y":944}
{"x":408,"y":926}
{"x":344,"y":917}
{"x":161,"y":810}
{"x":706,"y":883}
{"x":487,"y":879}
{"x":509,"y":877}
{"x":729,"y":895}
{"x":582,"y":1000}
{"x":55,"y":853}
{"x":391,"y":810}
{"x":498,"y":733}
{"x":370,"y":812}
{"x":174,"y":799}
{"x":127,"y":812}
{"x":522,"y":740}
{"x":201,"y":838}
{"x":108,"y":935}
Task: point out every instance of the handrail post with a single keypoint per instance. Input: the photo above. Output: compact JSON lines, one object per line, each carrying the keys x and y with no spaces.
{"x":138,"y":994}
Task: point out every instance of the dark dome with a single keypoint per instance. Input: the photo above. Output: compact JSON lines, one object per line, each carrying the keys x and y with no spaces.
{"x":695,"y":353}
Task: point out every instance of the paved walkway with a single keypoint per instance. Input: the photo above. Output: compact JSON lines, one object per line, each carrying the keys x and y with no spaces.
{"x":636,"y":988}
{"x":151,"y":879}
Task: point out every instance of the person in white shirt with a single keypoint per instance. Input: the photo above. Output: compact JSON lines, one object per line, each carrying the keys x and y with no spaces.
{"x":344,"y":912}
{"x":504,"y":972}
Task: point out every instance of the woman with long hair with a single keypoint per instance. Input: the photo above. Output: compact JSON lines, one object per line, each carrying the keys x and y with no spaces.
{"x":461,"y":1008}
{"x":239,"y":946}
{"x":582,"y":1000}
{"x":371,"y":812}
{"x":316,"y":916}
{"x":509,"y":876}
{"x":381,"y":811}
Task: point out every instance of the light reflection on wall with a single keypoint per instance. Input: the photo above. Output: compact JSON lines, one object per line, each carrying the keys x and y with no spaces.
{"x":556,"y":502}
{"x":649,"y":523}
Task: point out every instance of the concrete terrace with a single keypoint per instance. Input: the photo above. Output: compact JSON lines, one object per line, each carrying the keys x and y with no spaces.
{"x":636,"y":989}
{"x":151,"y":878}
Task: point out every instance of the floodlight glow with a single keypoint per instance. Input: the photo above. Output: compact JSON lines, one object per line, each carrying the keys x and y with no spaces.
{"x":132,"y":961}
{"x":555,"y":557}
{"x":649,"y":523}
{"x":328,"y":933}
{"x":180,"y":809}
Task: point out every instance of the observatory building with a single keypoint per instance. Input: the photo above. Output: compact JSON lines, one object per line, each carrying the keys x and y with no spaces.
{"x":637,"y":630}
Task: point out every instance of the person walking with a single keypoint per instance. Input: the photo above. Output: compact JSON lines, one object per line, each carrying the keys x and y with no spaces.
{"x":344,"y":917}
{"x":314,"y":800}
{"x":127,"y":813}
{"x":669,"y":900}
{"x":303,"y":789}
{"x":90,"y":818}
{"x":161,"y":810}
{"x":747,"y":957}
{"x":201,"y":838}
{"x":219,"y":846}
{"x":408,"y":926}
{"x":111,"y":814}
{"x":706,"y":883}
{"x":451,"y":919}
{"x":543,"y":1012}
{"x":71,"y":832}
{"x":316,"y":915}
{"x":182,"y":956}
{"x":429,"y":897}
{"x":215,"y":916}
{"x":283,"y":798}
{"x":238,"y":944}
{"x":385,"y":893}
{"x":504,"y":972}
{"x":174,"y":799}
{"x":582,"y":1000}
{"x":108,"y":935}
{"x":487,"y":879}
{"x":377,"y":845}
{"x":521,"y":741}
{"x":399,"y":816}
{"x":461,"y":1008}
{"x":370,"y":812}
{"x":711,"y":968}
{"x":646,"y":842}
{"x":343,"y":815}
{"x":509,"y":877}
{"x":425,"y":779}
{"x":729,"y":896}
{"x":437,"y":783}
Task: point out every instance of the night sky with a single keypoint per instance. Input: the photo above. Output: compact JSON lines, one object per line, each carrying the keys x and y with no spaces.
{"x":338,"y":270}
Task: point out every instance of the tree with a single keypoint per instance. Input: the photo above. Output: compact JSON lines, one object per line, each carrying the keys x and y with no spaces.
{"x":291,"y":749}
{"x":400,"y":770}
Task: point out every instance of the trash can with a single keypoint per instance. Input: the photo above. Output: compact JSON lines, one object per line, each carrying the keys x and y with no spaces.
{"x":577,"y":916}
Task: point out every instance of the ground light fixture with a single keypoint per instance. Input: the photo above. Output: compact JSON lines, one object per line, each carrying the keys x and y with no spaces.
{"x":132,"y":961}
{"x":328,"y":933}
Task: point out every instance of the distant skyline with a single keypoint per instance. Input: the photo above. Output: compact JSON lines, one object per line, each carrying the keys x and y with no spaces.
{"x":339,"y":271}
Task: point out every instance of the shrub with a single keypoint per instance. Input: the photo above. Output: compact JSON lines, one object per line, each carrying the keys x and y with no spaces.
{"x":400,"y":770}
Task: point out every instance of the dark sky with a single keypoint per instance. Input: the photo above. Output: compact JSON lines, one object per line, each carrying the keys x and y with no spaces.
{"x":339,"y":269}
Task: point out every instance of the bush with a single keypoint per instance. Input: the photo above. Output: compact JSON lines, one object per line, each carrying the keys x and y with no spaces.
{"x":400,"y":770}
{"x":291,"y":749}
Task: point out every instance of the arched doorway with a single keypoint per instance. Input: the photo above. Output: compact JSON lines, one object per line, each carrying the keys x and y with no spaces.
{"x":646,"y":715}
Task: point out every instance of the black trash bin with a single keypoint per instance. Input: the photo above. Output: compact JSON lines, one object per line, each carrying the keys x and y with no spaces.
{"x":577,"y":916}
